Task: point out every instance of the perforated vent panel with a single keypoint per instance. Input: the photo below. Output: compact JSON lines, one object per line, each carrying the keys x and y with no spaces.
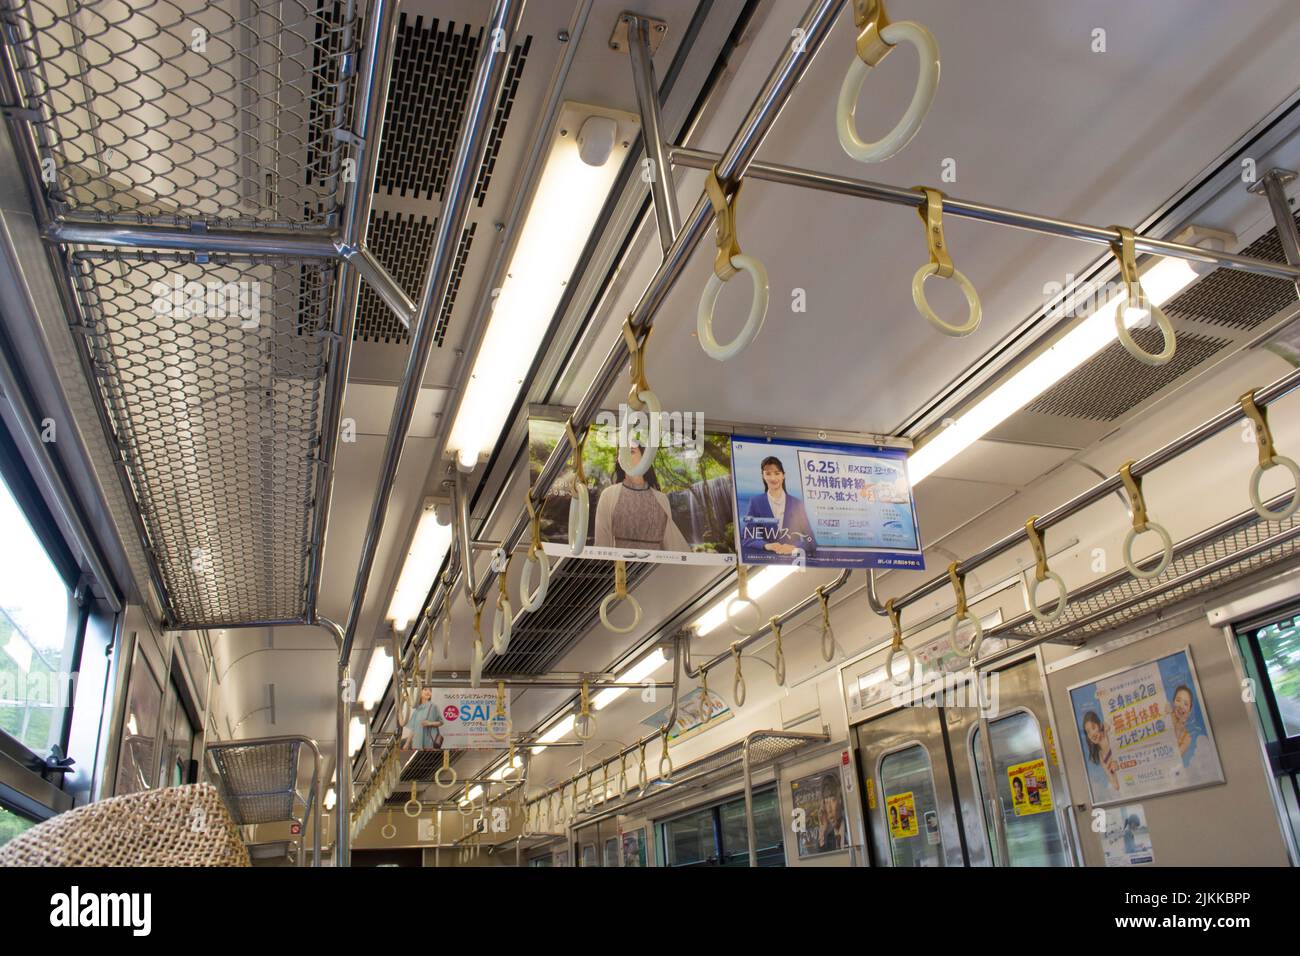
{"x":1230,"y":297}
{"x":432,"y":71}
{"x":572,"y":606}
{"x":1112,"y":381}
{"x":402,"y":243}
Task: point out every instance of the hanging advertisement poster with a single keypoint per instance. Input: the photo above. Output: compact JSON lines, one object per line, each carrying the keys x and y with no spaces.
{"x":819,"y":806}
{"x":1127,"y":841}
{"x":1030,"y":791}
{"x":1144,"y":731}
{"x":901,"y":809}
{"x":694,"y":711}
{"x":456,"y":718}
{"x":678,"y":511}
{"x":822,"y":505}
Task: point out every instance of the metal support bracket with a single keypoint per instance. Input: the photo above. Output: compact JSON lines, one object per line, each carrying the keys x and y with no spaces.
{"x":658,"y":29}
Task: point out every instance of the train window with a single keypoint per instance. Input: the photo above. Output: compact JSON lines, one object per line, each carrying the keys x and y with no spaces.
{"x":136,"y":767}
{"x":767,"y":832}
{"x":1032,"y":829}
{"x":716,"y":836}
{"x":12,"y":824}
{"x":1271,"y":653}
{"x":39,"y":629}
{"x":910,"y":805}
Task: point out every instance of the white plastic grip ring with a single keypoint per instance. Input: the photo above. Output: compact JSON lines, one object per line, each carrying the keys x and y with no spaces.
{"x":1034,"y":608}
{"x":505,"y":735}
{"x":531,"y":602}
{"x":757,"y":273}
{"x":450,"y":773}
{"x":476,"y":665}
{"x":413,"y":802}
{"x":828,"y":644}
{"x":927,"y":82}
{"x":586,"y":721}
{"x":1162,"y":322}
{"x":972,"y":649}
{"x":1166,"y":554}
{"x":753,"y":605}
{"x":889,"y":665}
{"x":665,"y":767}
{"x":502,"y":625}
{"x":1287,"y":510}
{"x":579,"y":518}
{"x":604,"y":613}
{"x":653,"y":409}
{"x":975,"y":310}
{"x":388,"y":831}
{"x":738,"y":689}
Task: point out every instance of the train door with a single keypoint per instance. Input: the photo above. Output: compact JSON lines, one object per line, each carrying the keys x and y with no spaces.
{"x":930,"y":798}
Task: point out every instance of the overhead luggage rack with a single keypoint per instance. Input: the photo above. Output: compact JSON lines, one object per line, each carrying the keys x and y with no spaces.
{"x":216,"y":413}
{"x":215,"y":110}
{"x":258,"y":780}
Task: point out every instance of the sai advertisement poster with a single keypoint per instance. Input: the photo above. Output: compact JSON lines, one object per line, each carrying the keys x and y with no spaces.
{"x":823,"y":505}
{"x":456,"y":718}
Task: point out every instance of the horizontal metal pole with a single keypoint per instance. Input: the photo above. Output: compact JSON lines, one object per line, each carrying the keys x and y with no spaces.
{"x":782,"y":619}
{"x":1185,"y":578}
{"x":559,"y":683}
{"x":160,"y":239}
{"x":1226,"y":418}
{"x":385,"y":286}
{"x":485,"y":90}
{"x":965,"y":209}
{"x":813,"y":29}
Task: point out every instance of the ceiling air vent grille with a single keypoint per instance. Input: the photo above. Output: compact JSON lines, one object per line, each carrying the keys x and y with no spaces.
{"x":432,"y":72}
{"x":1237,"y":299}
{"x":402,"y":242}
{"x":572,"y":606}
{"x":1112,"y":381}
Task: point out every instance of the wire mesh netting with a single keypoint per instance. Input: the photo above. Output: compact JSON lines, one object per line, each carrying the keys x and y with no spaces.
{"x":174,"y":110}
{"x":258,"y":781}
{"x":1201,"y":564}
{"x":212,"y":373}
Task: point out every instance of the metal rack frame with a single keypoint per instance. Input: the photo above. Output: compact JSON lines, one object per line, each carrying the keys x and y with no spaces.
{"x":239,"y":768}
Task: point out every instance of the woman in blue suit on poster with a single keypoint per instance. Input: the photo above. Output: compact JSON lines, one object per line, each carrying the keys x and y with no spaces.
{"x":776,"y":523}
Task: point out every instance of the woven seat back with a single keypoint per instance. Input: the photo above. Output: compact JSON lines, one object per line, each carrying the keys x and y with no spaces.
{"x":176,"y":826}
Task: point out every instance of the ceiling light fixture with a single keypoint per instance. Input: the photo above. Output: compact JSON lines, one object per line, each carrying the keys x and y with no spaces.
{"x":587,"y":149}
{"x":429,"y":546}
{"x":1161,"y":282}
{"x":378,"y":673}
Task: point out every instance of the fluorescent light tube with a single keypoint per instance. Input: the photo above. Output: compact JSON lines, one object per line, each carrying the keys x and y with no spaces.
{"x":556,"y":731}
{"x":565,"y":206}
{"x":759,"y":584}
{"x":378,"y":673}
{"x":634,"y":674}
{"x":428,"y":547}
{"x":356,"y":736}
{"x":1161,"y":282}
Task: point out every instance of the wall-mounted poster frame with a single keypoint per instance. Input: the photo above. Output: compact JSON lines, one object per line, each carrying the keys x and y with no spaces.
{"x":821,"y":504}
{"x":1143,"y":731}
{"x":824,"y":821}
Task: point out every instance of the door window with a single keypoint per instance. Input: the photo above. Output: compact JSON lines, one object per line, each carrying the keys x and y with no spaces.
{"x":910,"y":807}
{"x":1023,"y":793}
{"x":1271,"y":653}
